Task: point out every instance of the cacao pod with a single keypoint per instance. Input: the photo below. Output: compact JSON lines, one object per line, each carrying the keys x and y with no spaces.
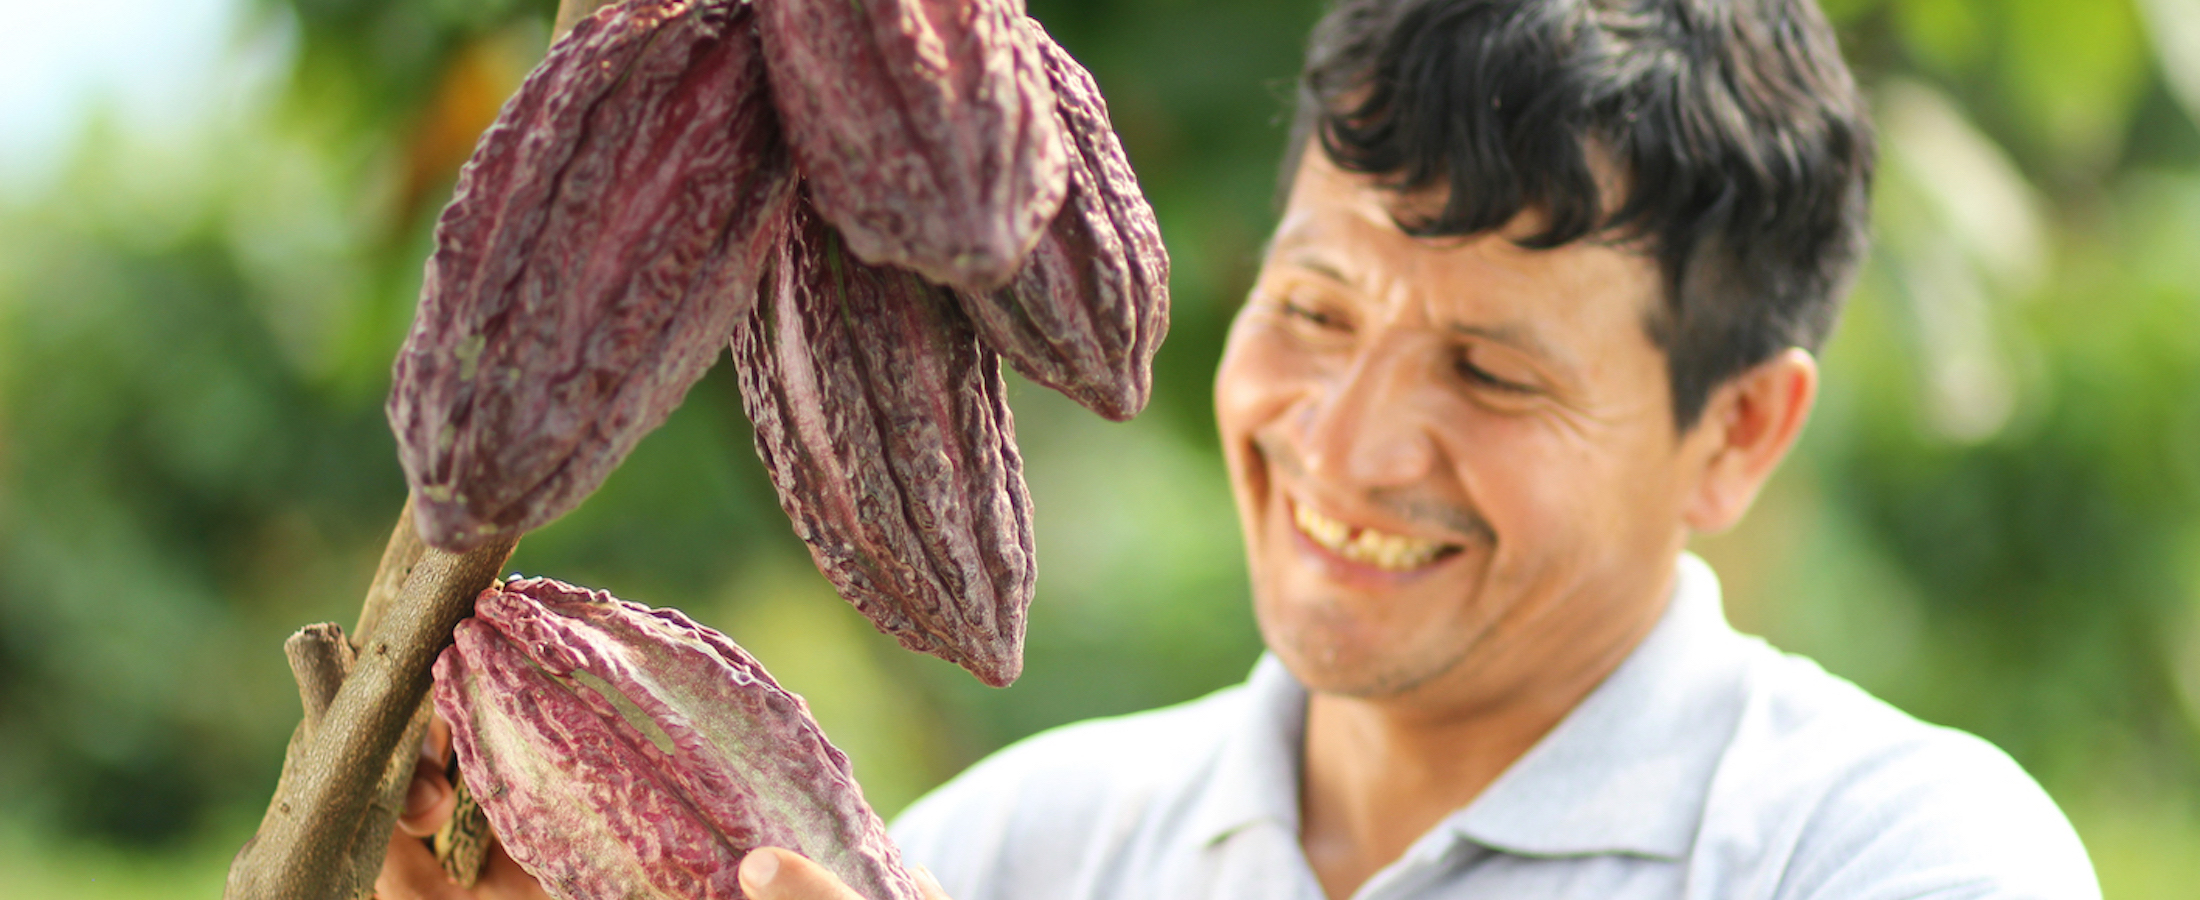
{"x":924,"y":128}
{"x":604,"y":238}
{"x":627,"y":752}
{"x":1091,"y":304}
{"x":885,"y":427}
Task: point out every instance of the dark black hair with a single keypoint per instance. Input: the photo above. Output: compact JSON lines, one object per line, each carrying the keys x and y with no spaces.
{"x":1742,"y":146}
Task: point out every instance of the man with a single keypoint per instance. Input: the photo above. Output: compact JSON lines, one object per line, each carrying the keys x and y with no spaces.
{"x":1541,"y":306}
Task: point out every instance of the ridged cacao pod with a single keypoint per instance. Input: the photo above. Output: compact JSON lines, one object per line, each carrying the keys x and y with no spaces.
{"x":624,"y":752}
{"x":885,"y":427}
{"x":925,"y":129}
{"x":1091,"y":304}
{"x":605,"y":237}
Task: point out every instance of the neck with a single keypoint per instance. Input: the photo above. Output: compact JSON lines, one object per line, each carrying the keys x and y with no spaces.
{"x":1381,"y":771}
{"x":1375,"y":781}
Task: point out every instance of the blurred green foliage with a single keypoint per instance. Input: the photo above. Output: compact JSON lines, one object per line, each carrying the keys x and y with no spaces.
{"x":1994,"y":521}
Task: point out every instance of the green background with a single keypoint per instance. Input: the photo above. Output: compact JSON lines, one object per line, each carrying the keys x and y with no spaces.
{"x":1993,"y":521}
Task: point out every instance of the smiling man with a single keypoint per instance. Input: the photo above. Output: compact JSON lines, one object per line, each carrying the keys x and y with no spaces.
{"x":1541,"y":306}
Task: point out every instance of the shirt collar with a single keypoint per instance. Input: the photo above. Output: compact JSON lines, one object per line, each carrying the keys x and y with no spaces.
{"x":1626,"y":772}
{"x":1256,"y":773}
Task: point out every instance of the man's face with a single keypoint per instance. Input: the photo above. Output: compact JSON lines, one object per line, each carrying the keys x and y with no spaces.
{"x":1454,"y":459}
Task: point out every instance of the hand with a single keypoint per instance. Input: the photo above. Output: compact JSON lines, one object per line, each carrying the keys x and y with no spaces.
{"x":410,"y":871}
{"x":769,"y":873}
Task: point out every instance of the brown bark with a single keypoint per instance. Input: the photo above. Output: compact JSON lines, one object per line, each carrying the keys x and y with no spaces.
{"x":398,"y":559}
{"x":328,"y":825}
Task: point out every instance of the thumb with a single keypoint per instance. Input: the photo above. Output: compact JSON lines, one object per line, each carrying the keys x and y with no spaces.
{"x":769,"y":873}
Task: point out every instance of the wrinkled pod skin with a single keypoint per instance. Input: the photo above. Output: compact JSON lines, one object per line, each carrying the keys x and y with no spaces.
{"x":925,"y":129}
{"x":604,"y":239}
{"x":1091,"y":304}
{"x":885,"y":427}
{"x":624,"y":752}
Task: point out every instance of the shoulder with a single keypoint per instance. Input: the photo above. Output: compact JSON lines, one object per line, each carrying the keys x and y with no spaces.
{"x":1045,"y":808}
{"x":1858,"y":799}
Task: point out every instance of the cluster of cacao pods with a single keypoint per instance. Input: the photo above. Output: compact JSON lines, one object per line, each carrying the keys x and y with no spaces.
{"x":874,"y":202}
{"x":626,"y":752}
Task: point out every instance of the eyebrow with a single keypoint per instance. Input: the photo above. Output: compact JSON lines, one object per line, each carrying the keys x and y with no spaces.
{"x":1516,"y":337}
{"x":1319,"y":266}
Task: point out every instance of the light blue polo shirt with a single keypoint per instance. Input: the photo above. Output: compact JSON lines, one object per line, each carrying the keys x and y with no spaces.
{"x":1709,"y":765}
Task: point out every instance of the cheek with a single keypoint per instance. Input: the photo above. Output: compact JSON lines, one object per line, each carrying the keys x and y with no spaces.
{"x":1558,"y":497}
{"x":1256,"y":386}
{"x":1543,"y":490}
{"x":1258,"y":380}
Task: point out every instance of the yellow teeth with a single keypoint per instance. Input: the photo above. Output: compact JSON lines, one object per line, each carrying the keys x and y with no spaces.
{"x":1394,"y":552}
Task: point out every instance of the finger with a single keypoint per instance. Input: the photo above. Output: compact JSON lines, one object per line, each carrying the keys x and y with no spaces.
{"x":929,"y":885}
{"x":410,"y":872}
{"x":769,"y":873}
{"x":437,"y":745}
{"x":429,"y":801}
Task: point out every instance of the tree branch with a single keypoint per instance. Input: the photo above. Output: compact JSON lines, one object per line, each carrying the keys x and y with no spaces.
{"x":332,"y":819}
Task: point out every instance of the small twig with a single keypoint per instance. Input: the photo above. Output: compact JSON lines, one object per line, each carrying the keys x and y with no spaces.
{"x":319,"y":657}
{"x":318,"y":660}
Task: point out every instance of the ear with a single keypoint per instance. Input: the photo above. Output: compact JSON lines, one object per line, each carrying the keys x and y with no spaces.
{"x":1747,"y":427}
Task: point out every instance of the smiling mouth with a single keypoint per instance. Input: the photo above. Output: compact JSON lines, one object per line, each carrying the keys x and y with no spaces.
{"x":1367,"y":546}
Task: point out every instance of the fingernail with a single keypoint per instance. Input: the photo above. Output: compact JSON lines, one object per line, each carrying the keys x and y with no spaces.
{"x":759,"y":868}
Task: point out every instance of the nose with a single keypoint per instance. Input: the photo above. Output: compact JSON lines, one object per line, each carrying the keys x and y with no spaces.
{"x":1362,"y":428}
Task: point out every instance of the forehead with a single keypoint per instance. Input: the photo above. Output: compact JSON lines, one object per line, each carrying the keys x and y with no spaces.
{"x":1341,"y":227}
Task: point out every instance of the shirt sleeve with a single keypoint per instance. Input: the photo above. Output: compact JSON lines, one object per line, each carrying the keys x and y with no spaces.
{"x":964,"y":831}
{"x":1950,"y":818}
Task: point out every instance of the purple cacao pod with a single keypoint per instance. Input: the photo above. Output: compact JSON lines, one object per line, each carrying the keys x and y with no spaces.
{"x":884,"y":424}
{"x":925,"y":129}
{"x":602,"y":242}
{"x":1091,"y":304}
{"x":628,"y":752}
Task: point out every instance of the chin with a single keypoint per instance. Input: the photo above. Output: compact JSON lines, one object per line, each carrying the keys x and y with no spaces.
{"x":1358,"y":630}
{"x":1330,"y":654}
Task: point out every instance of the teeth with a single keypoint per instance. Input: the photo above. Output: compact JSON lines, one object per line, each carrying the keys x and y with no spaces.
{"x":1367,"y":546}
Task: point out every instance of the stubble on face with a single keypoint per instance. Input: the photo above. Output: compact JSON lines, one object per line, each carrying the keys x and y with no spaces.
{"x":1528,"y":466}
{"x":1320,"y":658}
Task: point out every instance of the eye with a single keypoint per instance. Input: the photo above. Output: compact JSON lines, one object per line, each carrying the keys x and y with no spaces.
{"x":1296,"y":309}
{"x":1474,"y":374}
